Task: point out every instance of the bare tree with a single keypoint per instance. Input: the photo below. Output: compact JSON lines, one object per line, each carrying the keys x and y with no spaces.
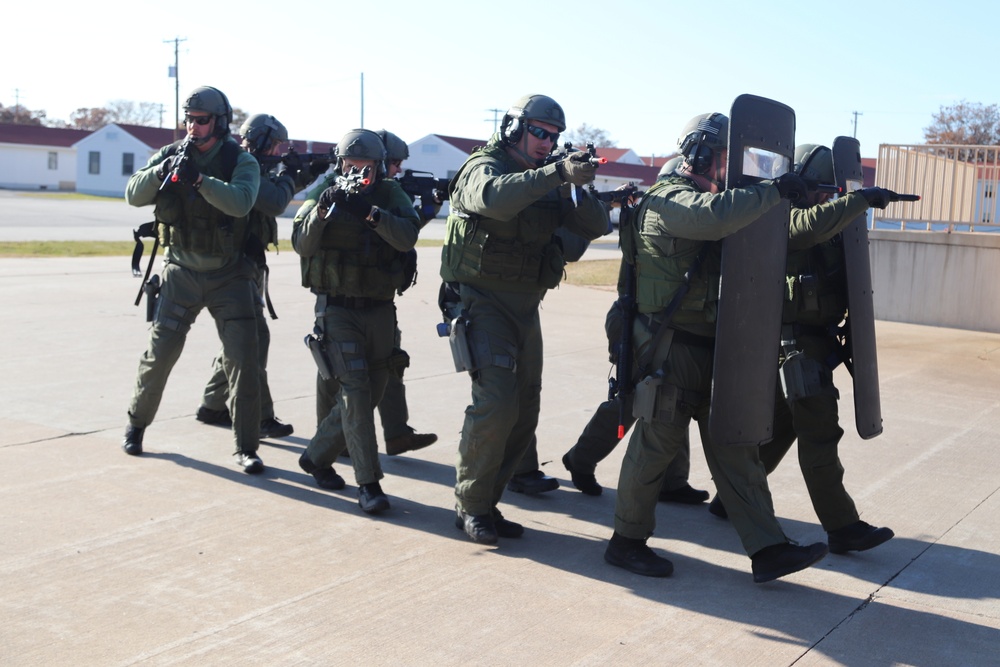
{"x":965,"y":123}
{"x":239,"y":117}
{"x":128,"y":112}
{"x":585,"y":134}
{"x":18,"y":114}
{"x":93,"y":118}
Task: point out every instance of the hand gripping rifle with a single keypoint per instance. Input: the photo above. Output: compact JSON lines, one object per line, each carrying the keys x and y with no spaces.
{"x":428,"y":188}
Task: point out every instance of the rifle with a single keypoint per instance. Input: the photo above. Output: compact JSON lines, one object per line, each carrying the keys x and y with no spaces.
{"x":568,"y":152}
{"x":296,"y":160}
{"x":623,"y":384}
{"x":621,"y":196}
{"x":183,"y":153}
{"x":426,"y":187}
{"x":354,"y":181}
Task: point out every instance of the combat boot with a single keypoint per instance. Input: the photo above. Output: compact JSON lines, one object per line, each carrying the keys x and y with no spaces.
{"x":214,"y":417}
{"x":717,"y":508}
{"x":505,"y":527}
{"x":686,"y":495}
{"x":371,"y":500}
{"x":586,"y":482}
{"x":479,"y":527}
{"x":326,"y":478}
{"x":778,"y":560}
{"x":858,"y":536}
{"x":132,"y":444}
{"x":532,"y":483}
{"x":273,"y":428}
{"x":633,"y":555}
{"x":409,"y":442}
{"x":250,"y":462}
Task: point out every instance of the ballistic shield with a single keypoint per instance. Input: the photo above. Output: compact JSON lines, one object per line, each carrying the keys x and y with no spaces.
{"x":748,"y":331}
{"x":860,"y":308}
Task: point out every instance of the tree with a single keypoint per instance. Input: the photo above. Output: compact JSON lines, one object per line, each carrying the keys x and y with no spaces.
{"x":130,"y":113}
{"x":93,"y":118}
{"x":239,"y":117}
{"x":18,"y":114}
{"x":585,"y":134}
{"x":965,"y":123}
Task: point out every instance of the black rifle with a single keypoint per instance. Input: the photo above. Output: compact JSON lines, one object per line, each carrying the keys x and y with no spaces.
{"x":622,"y":195}
{"x":623,"y":384}
{"x":183,"y":154}
{"x":568,"y":152}
{"x":296,"y":160}
{"x":354,"y":181}
{"x":428,"y":188}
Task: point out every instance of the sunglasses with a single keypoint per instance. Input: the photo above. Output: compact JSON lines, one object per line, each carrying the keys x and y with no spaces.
{"x":542,"y":133}
{"x":199,"y":120}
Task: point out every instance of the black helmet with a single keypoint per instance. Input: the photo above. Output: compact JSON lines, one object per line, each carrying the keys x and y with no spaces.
{"x":701,"y":137}
{"x":814,"y":162}
{"x":395,"y":148}
{"x":364,"y":145}
{"x":261,"y":131}
{"x":530,"y":107}
{"x":213,"y":101}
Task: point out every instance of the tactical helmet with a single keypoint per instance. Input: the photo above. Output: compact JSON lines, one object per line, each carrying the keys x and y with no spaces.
{"x":211,"y":100}
{"x":262,"y":131}
{"x":530,"y":107}
{"x":395,"y":148}
{"x":814,"y":162}
{"x":701,"y":137}
{"x":669,"y":167}
{"x":363,"y":145}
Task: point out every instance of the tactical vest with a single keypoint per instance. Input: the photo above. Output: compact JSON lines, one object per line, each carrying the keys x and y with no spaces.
{"x":517,"y":255}
{"x":188,"y":222}
{"x":816,"y":283}
{"x":662,"y":262}
{"x":353,"y":259}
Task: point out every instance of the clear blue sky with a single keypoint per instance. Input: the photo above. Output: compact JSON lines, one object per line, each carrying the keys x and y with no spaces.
{"x":639,"y":70}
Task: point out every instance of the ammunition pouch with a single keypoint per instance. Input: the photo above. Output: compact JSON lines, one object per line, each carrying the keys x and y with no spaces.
{"x":173,"y":316}
{"x":409,"y":259}
{"x":553,"y":266}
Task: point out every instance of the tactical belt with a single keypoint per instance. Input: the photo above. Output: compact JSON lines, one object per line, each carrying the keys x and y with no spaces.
{"x":652,"y":321}
{"x":356,"y":302}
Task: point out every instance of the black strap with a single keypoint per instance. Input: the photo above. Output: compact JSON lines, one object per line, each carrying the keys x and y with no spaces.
{"x":668,"y":312}
{"x":145,"y":230}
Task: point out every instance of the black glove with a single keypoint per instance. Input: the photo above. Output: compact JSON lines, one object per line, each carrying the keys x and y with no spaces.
{"x":288,"y":170}
{"x":577,"y":168}
{"x":164,"y":168}
{"x":878,"y":197}
{"x":791,"y":187}
{"x":357,"y":205}
{"x":330,"y":197}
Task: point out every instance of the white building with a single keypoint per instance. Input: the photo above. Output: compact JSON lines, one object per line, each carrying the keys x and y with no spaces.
{"x":33,"y":157}
{"x":106,"y":158}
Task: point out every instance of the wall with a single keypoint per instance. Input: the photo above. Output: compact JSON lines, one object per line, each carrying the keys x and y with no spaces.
{"x":936,"y":278}
{"x":112,"y":143}
{"x":26,"y":167}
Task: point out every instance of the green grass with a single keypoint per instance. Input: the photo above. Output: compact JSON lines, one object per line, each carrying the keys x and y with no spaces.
{"x":68,"y":196}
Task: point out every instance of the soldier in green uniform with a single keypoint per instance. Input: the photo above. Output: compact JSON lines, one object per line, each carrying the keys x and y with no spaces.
{"x":202,"y":189}
{"x":815,"y":305}
{"x":506,"y":206}
{"x":600,"y":436}
{"x":677,"y":234}
{"x":398,"y":435}
{"x":262,"y":136}
{"x":352,"y":241}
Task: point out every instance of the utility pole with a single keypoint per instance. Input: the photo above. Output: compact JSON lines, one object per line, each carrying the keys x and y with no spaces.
{"x":362,"y":100}
{"x":856,"y":114}
{"x":495,"y":112}
{"x":17,"y":103}
{"x":173,"y":72}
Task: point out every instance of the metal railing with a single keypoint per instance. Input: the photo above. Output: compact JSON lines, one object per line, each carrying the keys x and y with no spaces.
{"x":958,"y":187}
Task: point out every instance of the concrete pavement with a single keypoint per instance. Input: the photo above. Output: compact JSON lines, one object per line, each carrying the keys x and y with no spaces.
{"x":176,"y":557}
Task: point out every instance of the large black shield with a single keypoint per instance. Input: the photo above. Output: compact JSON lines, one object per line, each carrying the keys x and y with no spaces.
{"x":860,"y":308}
{"x":748,"y":332}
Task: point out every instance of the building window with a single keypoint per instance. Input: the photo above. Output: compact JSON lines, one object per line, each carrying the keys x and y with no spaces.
{"x":53,"y":160}
{"x":95,"y":163}
{"x":128,"y":164}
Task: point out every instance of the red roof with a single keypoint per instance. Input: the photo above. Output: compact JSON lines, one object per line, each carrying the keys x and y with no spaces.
{"x":613,"y":154}
{"x":464,"y":145}
{"x":639,"y":174}
{"x":39,"y":135}
{"x":154,"y":137}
